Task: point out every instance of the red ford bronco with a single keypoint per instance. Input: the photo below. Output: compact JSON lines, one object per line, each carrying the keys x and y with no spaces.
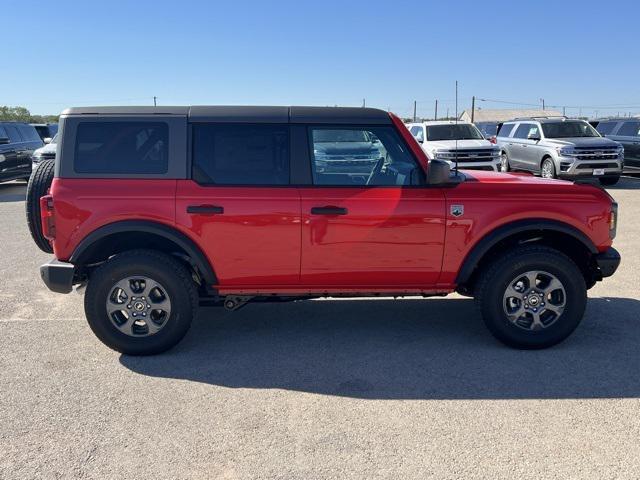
{"x":160,"y":209}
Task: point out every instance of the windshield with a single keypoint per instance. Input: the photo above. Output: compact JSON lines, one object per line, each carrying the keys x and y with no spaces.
{"x":331,"y":136}
{"x":463,"y":131}
{"x":568,"y":130}
{"x":488,"y":129}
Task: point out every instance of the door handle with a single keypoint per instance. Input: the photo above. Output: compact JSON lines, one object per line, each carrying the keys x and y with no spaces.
{"x":205,"y":209}
{"x":329,"y":210}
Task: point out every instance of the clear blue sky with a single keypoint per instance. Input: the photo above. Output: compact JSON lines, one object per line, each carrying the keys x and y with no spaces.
{"x":65,"y":53}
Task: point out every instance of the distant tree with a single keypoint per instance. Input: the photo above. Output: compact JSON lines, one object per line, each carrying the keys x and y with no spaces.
{"x":21,"y":114}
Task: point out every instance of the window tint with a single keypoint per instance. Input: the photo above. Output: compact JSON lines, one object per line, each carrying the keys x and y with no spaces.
{"x":568,"y":129}
{"x":505,"y":130}
{"x":121,"y":147}
{"x":462,"y":131}
{"x":605,"y":128}
{"x":3,"y":132}
{"x":630,"y":129}
{"x":523,"y":130}
{"x":29,"y":133}
{"x":349,"y":156}
{"x":240,"y":154}
{"x":13,"y":134}
{"x":417,"y":132}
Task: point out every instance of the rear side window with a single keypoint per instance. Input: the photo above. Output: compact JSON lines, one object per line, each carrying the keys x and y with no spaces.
{"x":121,"y":147}
{"x":418,"y":132}
{"x":523,"y":130}
{"x":240,"y":154}
{"x":605,"y":128}
{"x":505,"y":130}
{"x":630,"y":129}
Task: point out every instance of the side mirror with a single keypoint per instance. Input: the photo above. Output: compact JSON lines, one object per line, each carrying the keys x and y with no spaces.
{"x":534,"y":136}
{"x":46,"y":140}
{"x":438,"y":173}
{"x":419,"y":140}
{"x":4,"y":140}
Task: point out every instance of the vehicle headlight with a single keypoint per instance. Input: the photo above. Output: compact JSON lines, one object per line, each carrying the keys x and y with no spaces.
{"x":621,"y":151}
{"x":496,"y":153}
{"x":36,"y":157}
{"x":565,"y":151}
{"x":443,"y":155}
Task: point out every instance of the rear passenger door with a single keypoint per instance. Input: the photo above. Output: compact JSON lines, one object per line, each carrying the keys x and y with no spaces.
{"x":369,"y":221}
{"x":240,"y":204}
{"x":520,"y":158}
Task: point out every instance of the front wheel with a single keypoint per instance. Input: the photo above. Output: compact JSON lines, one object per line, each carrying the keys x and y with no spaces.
{"x":548,"y":169}
{"x":140,"y":302}
{"x":504,"y":162}
{"x":532,"y":297}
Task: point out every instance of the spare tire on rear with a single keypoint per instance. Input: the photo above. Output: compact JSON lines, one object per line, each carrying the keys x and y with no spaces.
{"x":38,"y":186}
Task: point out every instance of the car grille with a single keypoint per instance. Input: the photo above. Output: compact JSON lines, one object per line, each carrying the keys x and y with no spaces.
{"x":596,"y":153}
{"x":48,"y":156}
{"x":471,"y":155}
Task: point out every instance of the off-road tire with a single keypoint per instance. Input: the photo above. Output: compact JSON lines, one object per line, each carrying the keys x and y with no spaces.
{"x":164,"y":269}
{"x":38,"y":186}
{"x":496,"y":277}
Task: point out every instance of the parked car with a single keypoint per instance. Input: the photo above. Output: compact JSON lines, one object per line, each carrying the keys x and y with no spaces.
{"x":559,"y":148}
{"x":488,"y":129}
{"x":626,"y":131}
{"x":17,"y":143}
{"x":345,"y":152}
{"x":46,"y":130}
{"x":458,"y":143}
{"x":47,"y":152}
{"x":249,"y":213}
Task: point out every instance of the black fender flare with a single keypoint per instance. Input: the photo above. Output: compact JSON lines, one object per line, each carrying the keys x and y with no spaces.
{"x":194,"y":252}
{"x":500,"y":233}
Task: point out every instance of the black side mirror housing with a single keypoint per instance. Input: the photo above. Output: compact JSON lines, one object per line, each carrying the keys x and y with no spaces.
{"x":4,"y":140}
{"x":534,"y":137}
{"x":439,"y":172}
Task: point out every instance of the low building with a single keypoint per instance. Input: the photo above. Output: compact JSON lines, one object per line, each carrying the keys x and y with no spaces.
{"x":503,"y":115}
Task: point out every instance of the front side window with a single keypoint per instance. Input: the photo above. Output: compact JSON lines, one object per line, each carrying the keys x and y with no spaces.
{"x":462,"y":131}
{"x":505,"y":130}
{"x":630,"y":129}
{"x":523,"y":130}
{"x":234,"y":154}
{"x":361,"y":156}
{"x":568,"y":129}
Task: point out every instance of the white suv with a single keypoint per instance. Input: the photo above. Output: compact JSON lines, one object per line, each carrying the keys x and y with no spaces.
{"x":461,"y":141}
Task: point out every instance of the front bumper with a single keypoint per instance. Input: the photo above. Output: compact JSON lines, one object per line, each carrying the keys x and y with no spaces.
{"x":608,"y":262}
{"x":492,"y":166}
{"x":570,"y":167}
{"x":58,"y":276}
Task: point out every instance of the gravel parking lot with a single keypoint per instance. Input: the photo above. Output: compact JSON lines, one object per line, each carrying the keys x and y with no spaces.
{"x":349,"y":388}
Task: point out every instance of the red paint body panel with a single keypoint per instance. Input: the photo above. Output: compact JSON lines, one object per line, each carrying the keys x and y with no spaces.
{"x":256,"y":241}
{"x":389,"y":237}
{"x":84,"y":205}
{"x":494,"y":199}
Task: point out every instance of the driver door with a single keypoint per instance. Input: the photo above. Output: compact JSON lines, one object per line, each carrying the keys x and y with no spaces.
{"x":369,"y":220}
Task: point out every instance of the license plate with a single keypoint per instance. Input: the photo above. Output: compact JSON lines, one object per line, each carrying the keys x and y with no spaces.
{"x":598,"y":171}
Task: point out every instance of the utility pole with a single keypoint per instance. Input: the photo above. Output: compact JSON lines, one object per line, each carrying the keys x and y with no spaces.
{"x":154,"y":100}
{"x":364,"y":102}
{"x":447,"y":117}
{"x":415,"y":106}
{"x":435,"y":116}
{"x":564,"y":111}
{"x":473,"y":108}
{"x":542,"y":100}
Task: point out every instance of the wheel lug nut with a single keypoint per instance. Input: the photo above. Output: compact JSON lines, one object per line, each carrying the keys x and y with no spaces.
{"x":148,"y":306}
{"x":129,"y":306}
{"x":135,"y":314}
{"x":144,"y":314}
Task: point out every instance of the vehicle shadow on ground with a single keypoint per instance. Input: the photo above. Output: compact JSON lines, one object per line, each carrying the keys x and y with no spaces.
{"x":13,"y":192}
{"x":412,"y":349}
{"x":626,"y":183}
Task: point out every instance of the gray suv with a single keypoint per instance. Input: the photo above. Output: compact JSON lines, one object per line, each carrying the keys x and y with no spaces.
{"x":559,"y":148}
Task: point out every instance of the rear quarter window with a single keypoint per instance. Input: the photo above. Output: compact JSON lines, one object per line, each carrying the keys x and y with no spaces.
{"x":29,"y":133}
{"x":13,"y":133}
{"x":122,"y":148}
{"x":605,"y":128}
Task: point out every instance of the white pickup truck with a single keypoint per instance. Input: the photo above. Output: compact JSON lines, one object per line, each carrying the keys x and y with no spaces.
{"x":457,"y":141}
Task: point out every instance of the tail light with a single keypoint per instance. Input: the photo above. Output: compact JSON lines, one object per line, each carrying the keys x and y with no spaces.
{"x":493,"y":139}
{"x":613,"y":220}
{"x":47,"y":217}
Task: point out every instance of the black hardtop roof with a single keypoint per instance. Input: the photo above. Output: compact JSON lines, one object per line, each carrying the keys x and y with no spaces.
{"x":249,"y":114}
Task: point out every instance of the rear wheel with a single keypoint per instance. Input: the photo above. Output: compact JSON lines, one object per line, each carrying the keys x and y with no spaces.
{"x":532,"y":297}
{"x":38,"y":186}
{"x":548,"y":168}
{"x":609,"y":181}
{"x":140,"y":302}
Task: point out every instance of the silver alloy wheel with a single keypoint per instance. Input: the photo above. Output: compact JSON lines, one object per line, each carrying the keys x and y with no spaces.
{"x":547,"y":169}
{"x":504,"y":162}
{"x":138,"y":306}
{"x":534,"y":300}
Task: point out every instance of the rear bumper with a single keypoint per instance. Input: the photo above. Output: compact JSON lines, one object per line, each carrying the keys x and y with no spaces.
{"x":58,"y":276}
{"x":608,"y":261}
